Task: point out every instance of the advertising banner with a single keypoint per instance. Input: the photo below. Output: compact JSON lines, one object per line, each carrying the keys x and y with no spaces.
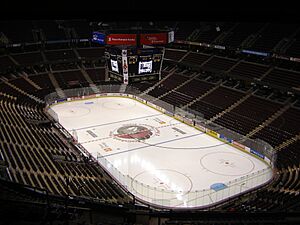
{"x":179,"y":117}
{"x":267,"y":160}
{"x":247,"y":149}
{"x":125,"y":66}
{"x":168,"y":113}
{"x":256,"y":53}
{"x":238,"y":144}
{"x":121,"y":39}
{"x":62,"y":100}
{"x":257,"y":153}
{"x":188,"y":121}
{"x":98,"y":37}
{"x":212,"y":133}
{"x":200,"y":127}
{"x":153,"y":39}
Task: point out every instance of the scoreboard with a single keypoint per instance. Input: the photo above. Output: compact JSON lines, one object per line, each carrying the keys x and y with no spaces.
{"x":132,"y":64}
{"x":134,"y":55}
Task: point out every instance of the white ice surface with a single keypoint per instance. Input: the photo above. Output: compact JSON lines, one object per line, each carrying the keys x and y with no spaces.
{"x":173,"y":160}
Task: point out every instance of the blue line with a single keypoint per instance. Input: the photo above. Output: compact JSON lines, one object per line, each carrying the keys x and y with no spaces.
{"x":99,"y":125}
{"x":152,"y":145}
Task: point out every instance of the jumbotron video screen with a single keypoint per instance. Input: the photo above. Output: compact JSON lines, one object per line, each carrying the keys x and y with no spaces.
{"x":140,"y":63}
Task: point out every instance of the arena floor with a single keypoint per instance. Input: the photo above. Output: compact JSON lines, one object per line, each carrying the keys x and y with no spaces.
{"x":158,"y":158}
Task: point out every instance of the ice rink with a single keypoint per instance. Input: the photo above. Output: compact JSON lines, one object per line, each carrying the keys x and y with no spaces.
{"x":163,"y":160}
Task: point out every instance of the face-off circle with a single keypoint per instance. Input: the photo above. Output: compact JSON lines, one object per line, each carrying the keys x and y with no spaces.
{"x":227,"y":163}
{"x":134,"y":132}
{"x":162,"y":183}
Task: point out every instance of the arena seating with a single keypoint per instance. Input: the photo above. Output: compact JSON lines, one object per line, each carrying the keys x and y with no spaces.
{"x":294,"y":48}
{"x":184,"y":30}
{"x":60,"y":55}
{"x":5,"y":63}
{"x":283,"y":128}
{"x":30,"y":58}
{"x":239,"y":34}
{"x":23,"y":28}
{"x":81,"y":28}
{"x":70,"y":79}
{"x":196,"y":58}
{"x":271,"y":35}
{"x":208,"y":32}
{"x":92,"y":53}
{"x":97,"y":75}
{"x":250,"y":70}
{"x":283,"y":78}
{"x":219,"y":64}
{"x":37,"y":155}
{"x":168,"y":85}
{"x":174,"y":54}
{"x":51,"y":30}
{"x":248,"y":115}
{"x":216,"y":101}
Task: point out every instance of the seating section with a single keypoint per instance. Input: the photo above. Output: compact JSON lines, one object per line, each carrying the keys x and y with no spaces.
{"x":5,"y":63}
{"x":216,"y":101}
{"x":240,"y":33}
{"x":21,"y":32}
{"x":283,"y":78}
{"x":270,"y":199}
{"x":271,"y":35}
{"x":195,"y":58}
{"x":208,"y":32}
{"x":64,"y":66}
{"x":249,"y":70}
{"x":28,"y":58}
{"x":195,"y":88}
{"x":174,"y":54}
{"x":143,"y":86}
{"x":97,"y":75}
{"x":42,"y":80}
{"x":15,"y":94}
{"x":81,"y":28}
{"x":289,"y":156}
{"x":70,"y":79}
{"x":248,"y":115}
{"x":38,"y":156}
{"x":35,"y":152}
{"x":219,"y":64}
{"x":167,"y":85}
{"x":294,"y":48}
{"x":60,"y":55}
{"x":282,"y":128}
{"x":177,"y":99}
{"x":51,"y":30}
{"x":91,"y":53}
{"x":184,"y":30}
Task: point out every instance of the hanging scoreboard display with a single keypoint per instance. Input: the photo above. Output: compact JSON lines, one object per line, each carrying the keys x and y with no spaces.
{"x":134,"y":55}
{"x":133,"y":64}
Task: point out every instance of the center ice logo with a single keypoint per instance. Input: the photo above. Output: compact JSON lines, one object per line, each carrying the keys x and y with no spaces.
{"x":133,"y":132}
